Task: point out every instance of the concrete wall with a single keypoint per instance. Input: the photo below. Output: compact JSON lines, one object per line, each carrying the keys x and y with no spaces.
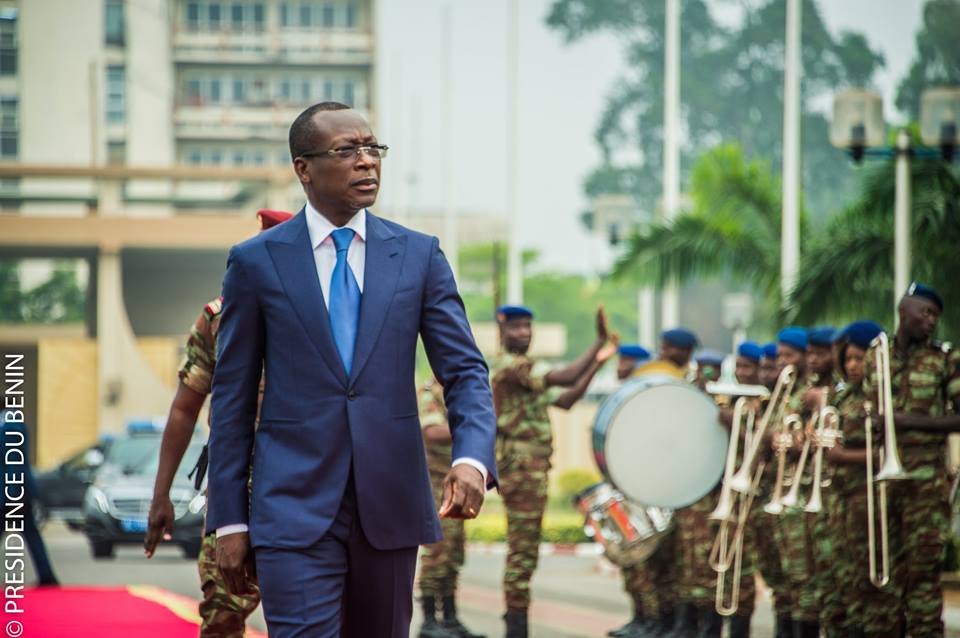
{"x":67,"y":398}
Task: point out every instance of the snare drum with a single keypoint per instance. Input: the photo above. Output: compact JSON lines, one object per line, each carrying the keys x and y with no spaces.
{"x":627,"y":532}
{"x":659,"y":442}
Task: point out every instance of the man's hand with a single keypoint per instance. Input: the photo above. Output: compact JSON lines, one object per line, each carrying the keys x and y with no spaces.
{"x":603,"y":332}
{"x":235,"y":561}
{"x":462,"y":492}
{"x":160,"y":524}
{"x":610,"y":350}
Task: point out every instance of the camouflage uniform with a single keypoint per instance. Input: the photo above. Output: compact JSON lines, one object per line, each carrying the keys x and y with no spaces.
{"x":651,"y":583}
{"x":925,"y":380}
{"x":794,"y":534}
{"x":861,"y":604}
{"x":223,"y":614}
{"x":761,"y":527}
{"x":440,"y":562}
{"x":524,"y":447}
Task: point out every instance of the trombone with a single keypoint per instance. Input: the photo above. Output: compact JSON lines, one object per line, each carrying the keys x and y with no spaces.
{"x":891,"y":469}
{"x":825,"y":437}
{"x":783,"y":441}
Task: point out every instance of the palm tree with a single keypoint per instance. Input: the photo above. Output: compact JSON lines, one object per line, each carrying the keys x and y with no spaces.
{"x":847,"y":270}
{"x":732,"y":227}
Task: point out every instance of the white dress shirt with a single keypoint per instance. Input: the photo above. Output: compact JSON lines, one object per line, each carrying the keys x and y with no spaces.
{"x":325,"y":256}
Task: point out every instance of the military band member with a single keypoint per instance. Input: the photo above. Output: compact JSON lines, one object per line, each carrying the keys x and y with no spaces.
{"x":709,"y":364}
{"x":223,"y":614}
{"x":856,"y":608}
{"x":769,"y":370}
{"x":747,"y":370}
{"x":440,"y":562}
{"x":523,"y":388}
{"x":925,"y":384}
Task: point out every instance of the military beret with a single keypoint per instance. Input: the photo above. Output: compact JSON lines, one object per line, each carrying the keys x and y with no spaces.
{"x":820,"y":336}
{"x":680,"y":337}
{"x":770,"y":350}
{"x":270,"y":218}
{"x":794,"y":337}
{"x":750,"y":350}
{"x":917,"y":289}
{"x":860,"y":333}
{"x":709,"y":357}
{"x":506,"y":313}
{"x":634,"y":351}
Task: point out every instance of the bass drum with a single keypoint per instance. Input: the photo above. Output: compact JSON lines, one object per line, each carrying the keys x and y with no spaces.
{"x":658,"y":440}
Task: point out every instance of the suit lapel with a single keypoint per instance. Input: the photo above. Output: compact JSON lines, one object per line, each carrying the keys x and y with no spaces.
{"x":381,"y":273}
{"x":293,"y":258}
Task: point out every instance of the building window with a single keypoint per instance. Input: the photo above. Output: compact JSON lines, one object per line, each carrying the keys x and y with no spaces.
{"x":116,"y":153}
{"x":195,"y":157}
{"x":193,"y":15}
{"x":214,"y":90}
{"x":8,"y":42}
{"x":351,"y":15}
{"x":284,"y":15}
{"x":348,"y":93}
{"x":213,"y":16}
{"x":9,"y":127}
{"x":236,"y":16}
{"x":116,"y":102}
{"x":258,"y":16}
{"x":113,"y":22}
{"x":239,"y":91}
{"x":305,"y":11}
{"x":329,"y":15}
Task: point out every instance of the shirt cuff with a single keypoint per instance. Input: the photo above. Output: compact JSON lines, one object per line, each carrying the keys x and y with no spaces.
{"x":231,"y":529}
{"x":472,"y":463}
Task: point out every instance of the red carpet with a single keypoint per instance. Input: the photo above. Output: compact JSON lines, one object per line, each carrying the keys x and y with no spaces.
{"x":107,"y":612}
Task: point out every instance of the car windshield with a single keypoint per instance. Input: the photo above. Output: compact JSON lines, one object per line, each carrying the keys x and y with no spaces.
{"x":140,"y":455}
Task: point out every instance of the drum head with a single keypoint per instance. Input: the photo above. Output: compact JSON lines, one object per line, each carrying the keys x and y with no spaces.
{"x":663,"y":444}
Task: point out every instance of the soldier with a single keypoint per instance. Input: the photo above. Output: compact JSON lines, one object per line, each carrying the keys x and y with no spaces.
{"x":440,"y":562}
{"x":747,"y":370}
{"x":769,"y":370}
{"x":637,"y":583}
{"x":223,"y":614}
{"x":523,"y":388}
{"x":709,"y":363}
{"x":856,"y":608}
{"x":925,"y":384}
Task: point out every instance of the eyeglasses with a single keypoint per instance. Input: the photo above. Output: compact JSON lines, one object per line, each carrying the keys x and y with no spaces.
{"x":376,"y":151}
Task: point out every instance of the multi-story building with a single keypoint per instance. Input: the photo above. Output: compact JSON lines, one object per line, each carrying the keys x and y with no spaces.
{"x":163,"y":82}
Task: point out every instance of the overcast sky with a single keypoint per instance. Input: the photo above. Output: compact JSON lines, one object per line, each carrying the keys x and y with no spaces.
{"x":563,"y":90}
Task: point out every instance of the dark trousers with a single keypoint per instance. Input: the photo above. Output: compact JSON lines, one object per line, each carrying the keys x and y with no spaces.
{"x":35,"y":545}
{"x":342,"y":586}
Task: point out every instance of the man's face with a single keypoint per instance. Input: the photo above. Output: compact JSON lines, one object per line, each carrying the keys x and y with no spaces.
{"x":747,"y":371}
{"x":820,"y":360}
{"x":768,"y":372}
{"x":625,"y":367}
{"x":679,"y":356}
{"x":918,"y":318}
{"x":853,"y":363}
{"x":516,"y":334}
{"x":790,"y":356}
{"x":335,"y":185}
{"x":707,"y":373}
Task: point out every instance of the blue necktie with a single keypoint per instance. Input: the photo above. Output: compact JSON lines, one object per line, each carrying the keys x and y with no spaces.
{"x":344,"y":299}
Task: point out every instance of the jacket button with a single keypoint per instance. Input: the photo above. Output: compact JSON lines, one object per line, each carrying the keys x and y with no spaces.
{"x":352,"y":394}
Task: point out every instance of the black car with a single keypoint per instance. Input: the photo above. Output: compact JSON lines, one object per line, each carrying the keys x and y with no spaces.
{"x":61,"y":489}
{"x":116,"y":505}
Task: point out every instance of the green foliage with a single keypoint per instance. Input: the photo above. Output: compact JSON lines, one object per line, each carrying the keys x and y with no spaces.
{"x":731,"y":89}
{"x":937,"y":60}
{"x":573,"y":481}
{"x":60,"y":299}
{"x":558,"y":527}
{"x":854,"y":256}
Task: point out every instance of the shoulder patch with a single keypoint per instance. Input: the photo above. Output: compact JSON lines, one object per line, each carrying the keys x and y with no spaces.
{"x":214,"y":308}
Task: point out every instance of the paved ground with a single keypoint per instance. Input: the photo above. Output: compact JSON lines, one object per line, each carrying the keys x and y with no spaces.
{"x":575,"y":597}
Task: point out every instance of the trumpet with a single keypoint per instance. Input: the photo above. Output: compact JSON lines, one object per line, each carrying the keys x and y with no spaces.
{"x":825,"y":437}
{"x":782,"y":441}
{"x":891,"y":469}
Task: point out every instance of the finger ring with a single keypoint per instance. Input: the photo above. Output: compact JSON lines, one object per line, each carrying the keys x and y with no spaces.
{"x":472,"y":511}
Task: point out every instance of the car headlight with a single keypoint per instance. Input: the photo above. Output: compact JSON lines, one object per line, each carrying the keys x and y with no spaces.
{"x":96,"y":496}
{"x":197,"y":503}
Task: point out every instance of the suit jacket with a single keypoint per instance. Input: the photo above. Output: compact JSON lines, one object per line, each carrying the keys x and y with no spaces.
{"x":316,"y":423}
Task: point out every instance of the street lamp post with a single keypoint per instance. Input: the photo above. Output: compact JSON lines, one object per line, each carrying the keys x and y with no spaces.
{"x":858,"y":127}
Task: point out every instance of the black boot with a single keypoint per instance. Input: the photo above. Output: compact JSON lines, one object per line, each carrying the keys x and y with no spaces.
{"x":684,"y":623}
{"x":804,"y":629}
{"x":631,"y":627}
{"x":709,"y":623}
{"x":430,"y":627}
{"x":516,"y":623}
{"x":784,"y":626}
{"x":740,"y":627}
{"x":450,"y":621}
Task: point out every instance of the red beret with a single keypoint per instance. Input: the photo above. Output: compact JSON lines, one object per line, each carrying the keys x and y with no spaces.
{"x":270,"y":218}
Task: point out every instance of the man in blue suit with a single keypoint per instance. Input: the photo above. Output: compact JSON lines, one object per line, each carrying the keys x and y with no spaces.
{"x":329,"y":306}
